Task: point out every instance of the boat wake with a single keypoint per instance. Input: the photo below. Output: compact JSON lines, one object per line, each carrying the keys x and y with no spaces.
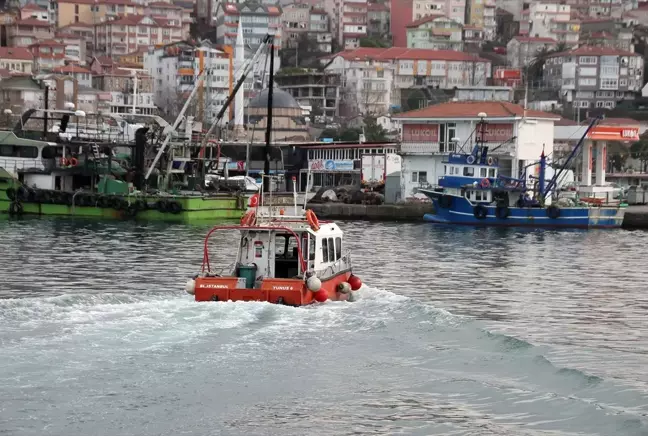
{"x":384,"y":364}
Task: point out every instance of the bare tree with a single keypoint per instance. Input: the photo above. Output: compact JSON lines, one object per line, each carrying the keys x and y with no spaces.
{"x":365,"y":100}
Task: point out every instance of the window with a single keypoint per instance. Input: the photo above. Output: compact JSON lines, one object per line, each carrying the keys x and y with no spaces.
{"x":311,"y":249}
{"x":587,"y":60}
{"x":19,"y":151}
{"x":609,"y":83}
{"x":325,"y":250}
{"x":623,"y":82}
{"x":331,"y":250}
{"x":338,"y":248}
{"x":491,"y":172}
{"x":587,"y":82}
{"x":483,"y":172}
{"x":419,"y":176}
{"x":599,"y":104}
{"x":468,"y":171}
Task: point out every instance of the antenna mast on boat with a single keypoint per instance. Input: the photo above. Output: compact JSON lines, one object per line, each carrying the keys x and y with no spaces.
{"x":268,"y":135}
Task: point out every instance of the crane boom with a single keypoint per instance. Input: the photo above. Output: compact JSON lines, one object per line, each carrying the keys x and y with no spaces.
{"x":247,"y":66}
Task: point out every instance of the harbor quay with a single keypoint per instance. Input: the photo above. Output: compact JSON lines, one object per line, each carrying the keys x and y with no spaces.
{"x":636,"y":216}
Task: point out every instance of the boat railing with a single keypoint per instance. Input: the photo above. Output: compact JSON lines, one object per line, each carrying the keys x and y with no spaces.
{"x":21,"y":164}
{"x":340,"y":265}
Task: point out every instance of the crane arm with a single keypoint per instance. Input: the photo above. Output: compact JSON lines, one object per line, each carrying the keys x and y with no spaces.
{"x":247,"y":67}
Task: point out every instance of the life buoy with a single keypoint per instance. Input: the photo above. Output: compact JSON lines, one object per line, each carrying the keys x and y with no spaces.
{"x":248,"y":219}
{"x":485,"y":183}
{"x":490,"y":160}
{"x":73,"y":161}
{"x":470,"y":159}
{"x":254,"y":201}
{"x":313,"y":222}
{"x":480,"y":212}
{"x":64,"y":162}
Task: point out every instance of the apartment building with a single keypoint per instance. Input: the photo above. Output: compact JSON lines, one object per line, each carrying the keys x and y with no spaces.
{"x":48,"y":55}
{"x":16,"y":59}
{"x":257,"y":20}
{"x":171,"y":12}
{"x":82,"y":75}
{"x":317,"y":89}
{"x":607,"y":32}
{"x":86,"y":32}
{"x":373,"y":78}
{"x":453,"y":9}
{"x":303,"y":19}
{"x":481,"y":15}
{"x":595,"y":77}
{"x":602,"y":8}
{"x":175,"y":69}
{"x":353,"y":21}
{"x":25,"y":32}
{"x":435,"y":32}
{"x":75,"y":47}
{"x":120,"y":84}
{"x":34,"y":11}
{"x":546,"y":19}
{"x":401,"y":13}
{"x":522,"y":50}
{"x":378,"y":19}
{"x":91,"y":11}
{"x":129,"y":33}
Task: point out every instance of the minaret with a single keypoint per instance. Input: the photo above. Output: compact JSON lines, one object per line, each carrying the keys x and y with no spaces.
{"x":239,"y":59}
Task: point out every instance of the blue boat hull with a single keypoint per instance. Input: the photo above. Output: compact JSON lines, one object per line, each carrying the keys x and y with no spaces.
{"x":462,"y":211}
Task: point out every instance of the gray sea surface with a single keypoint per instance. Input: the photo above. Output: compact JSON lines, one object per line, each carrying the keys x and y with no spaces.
{"x":457,"y":331}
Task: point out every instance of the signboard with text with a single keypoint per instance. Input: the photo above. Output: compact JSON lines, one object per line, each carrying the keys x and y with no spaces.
{"x":330,"y":165}
{"x":420,"y":133}
{"x":497,"y":132}
{"x":614,"y":133}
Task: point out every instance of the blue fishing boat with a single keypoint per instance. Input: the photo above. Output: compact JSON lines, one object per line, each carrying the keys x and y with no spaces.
{"x":472,"y":192}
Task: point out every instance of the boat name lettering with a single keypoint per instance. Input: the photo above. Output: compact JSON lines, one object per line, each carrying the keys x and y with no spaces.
{"x":629,"y":133}
{"x":212,"y":286}
{"x":282,"y":288}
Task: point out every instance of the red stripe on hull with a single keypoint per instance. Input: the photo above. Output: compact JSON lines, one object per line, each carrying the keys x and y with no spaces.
{"x":291,"y":292}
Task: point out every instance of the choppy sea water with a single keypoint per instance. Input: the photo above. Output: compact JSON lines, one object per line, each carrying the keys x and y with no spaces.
{"x":458,"y":332}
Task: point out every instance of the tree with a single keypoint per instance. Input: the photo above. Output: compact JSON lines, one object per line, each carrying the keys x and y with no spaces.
{"x":639,"y":151}
{"x":535,"y":69}
{"x":305,"y":53}
{"x":374,"y":42}
{"x":373,"y":131}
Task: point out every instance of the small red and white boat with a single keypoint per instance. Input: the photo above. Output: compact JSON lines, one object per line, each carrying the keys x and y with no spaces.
{"x":292,"y":259}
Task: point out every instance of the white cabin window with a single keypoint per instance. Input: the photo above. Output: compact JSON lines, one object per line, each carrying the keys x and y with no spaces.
{"x":468,"y":171}
{"x":311,"y":249}
{"x":338,"y":248}
{"x":491,"y":172}
{"x":445,"y":169}
{"x":482,"y":172}
{"x":331,"y":250}
{"x":325,"y":250}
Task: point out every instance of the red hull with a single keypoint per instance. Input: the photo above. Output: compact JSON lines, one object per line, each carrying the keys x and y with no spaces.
{"x":292,"y":292}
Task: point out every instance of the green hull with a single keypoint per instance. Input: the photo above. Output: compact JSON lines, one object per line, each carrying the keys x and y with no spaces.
{"x":194,"y":208}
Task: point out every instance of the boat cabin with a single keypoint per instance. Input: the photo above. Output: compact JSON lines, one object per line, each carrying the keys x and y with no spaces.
{"x":288,"y":251}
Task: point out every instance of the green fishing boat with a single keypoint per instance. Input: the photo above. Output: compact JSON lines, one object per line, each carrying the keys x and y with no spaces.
{"x":159,"y":175}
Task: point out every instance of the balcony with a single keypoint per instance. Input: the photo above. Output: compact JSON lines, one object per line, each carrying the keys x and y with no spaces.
{"x":431,"y":148}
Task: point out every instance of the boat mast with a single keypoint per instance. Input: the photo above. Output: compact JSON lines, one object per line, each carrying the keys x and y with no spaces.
{"x":268,"y":136}
{"x":556,"y":176}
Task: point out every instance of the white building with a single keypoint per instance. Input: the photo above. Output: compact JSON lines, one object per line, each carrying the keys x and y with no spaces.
{"x":175,"y":68}
{"x":514,"y":136}
{"x":373,"y":78}
{"x":550,"y":20}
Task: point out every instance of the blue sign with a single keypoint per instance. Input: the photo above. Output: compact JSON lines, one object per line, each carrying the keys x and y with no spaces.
{"x":331,"y":165}
{"x":327,"y":140}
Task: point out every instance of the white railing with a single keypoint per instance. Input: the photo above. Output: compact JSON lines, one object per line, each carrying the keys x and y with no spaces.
{"x":438,"y":148}
{"x":342,"y":264}
{"x":15,"y":164}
